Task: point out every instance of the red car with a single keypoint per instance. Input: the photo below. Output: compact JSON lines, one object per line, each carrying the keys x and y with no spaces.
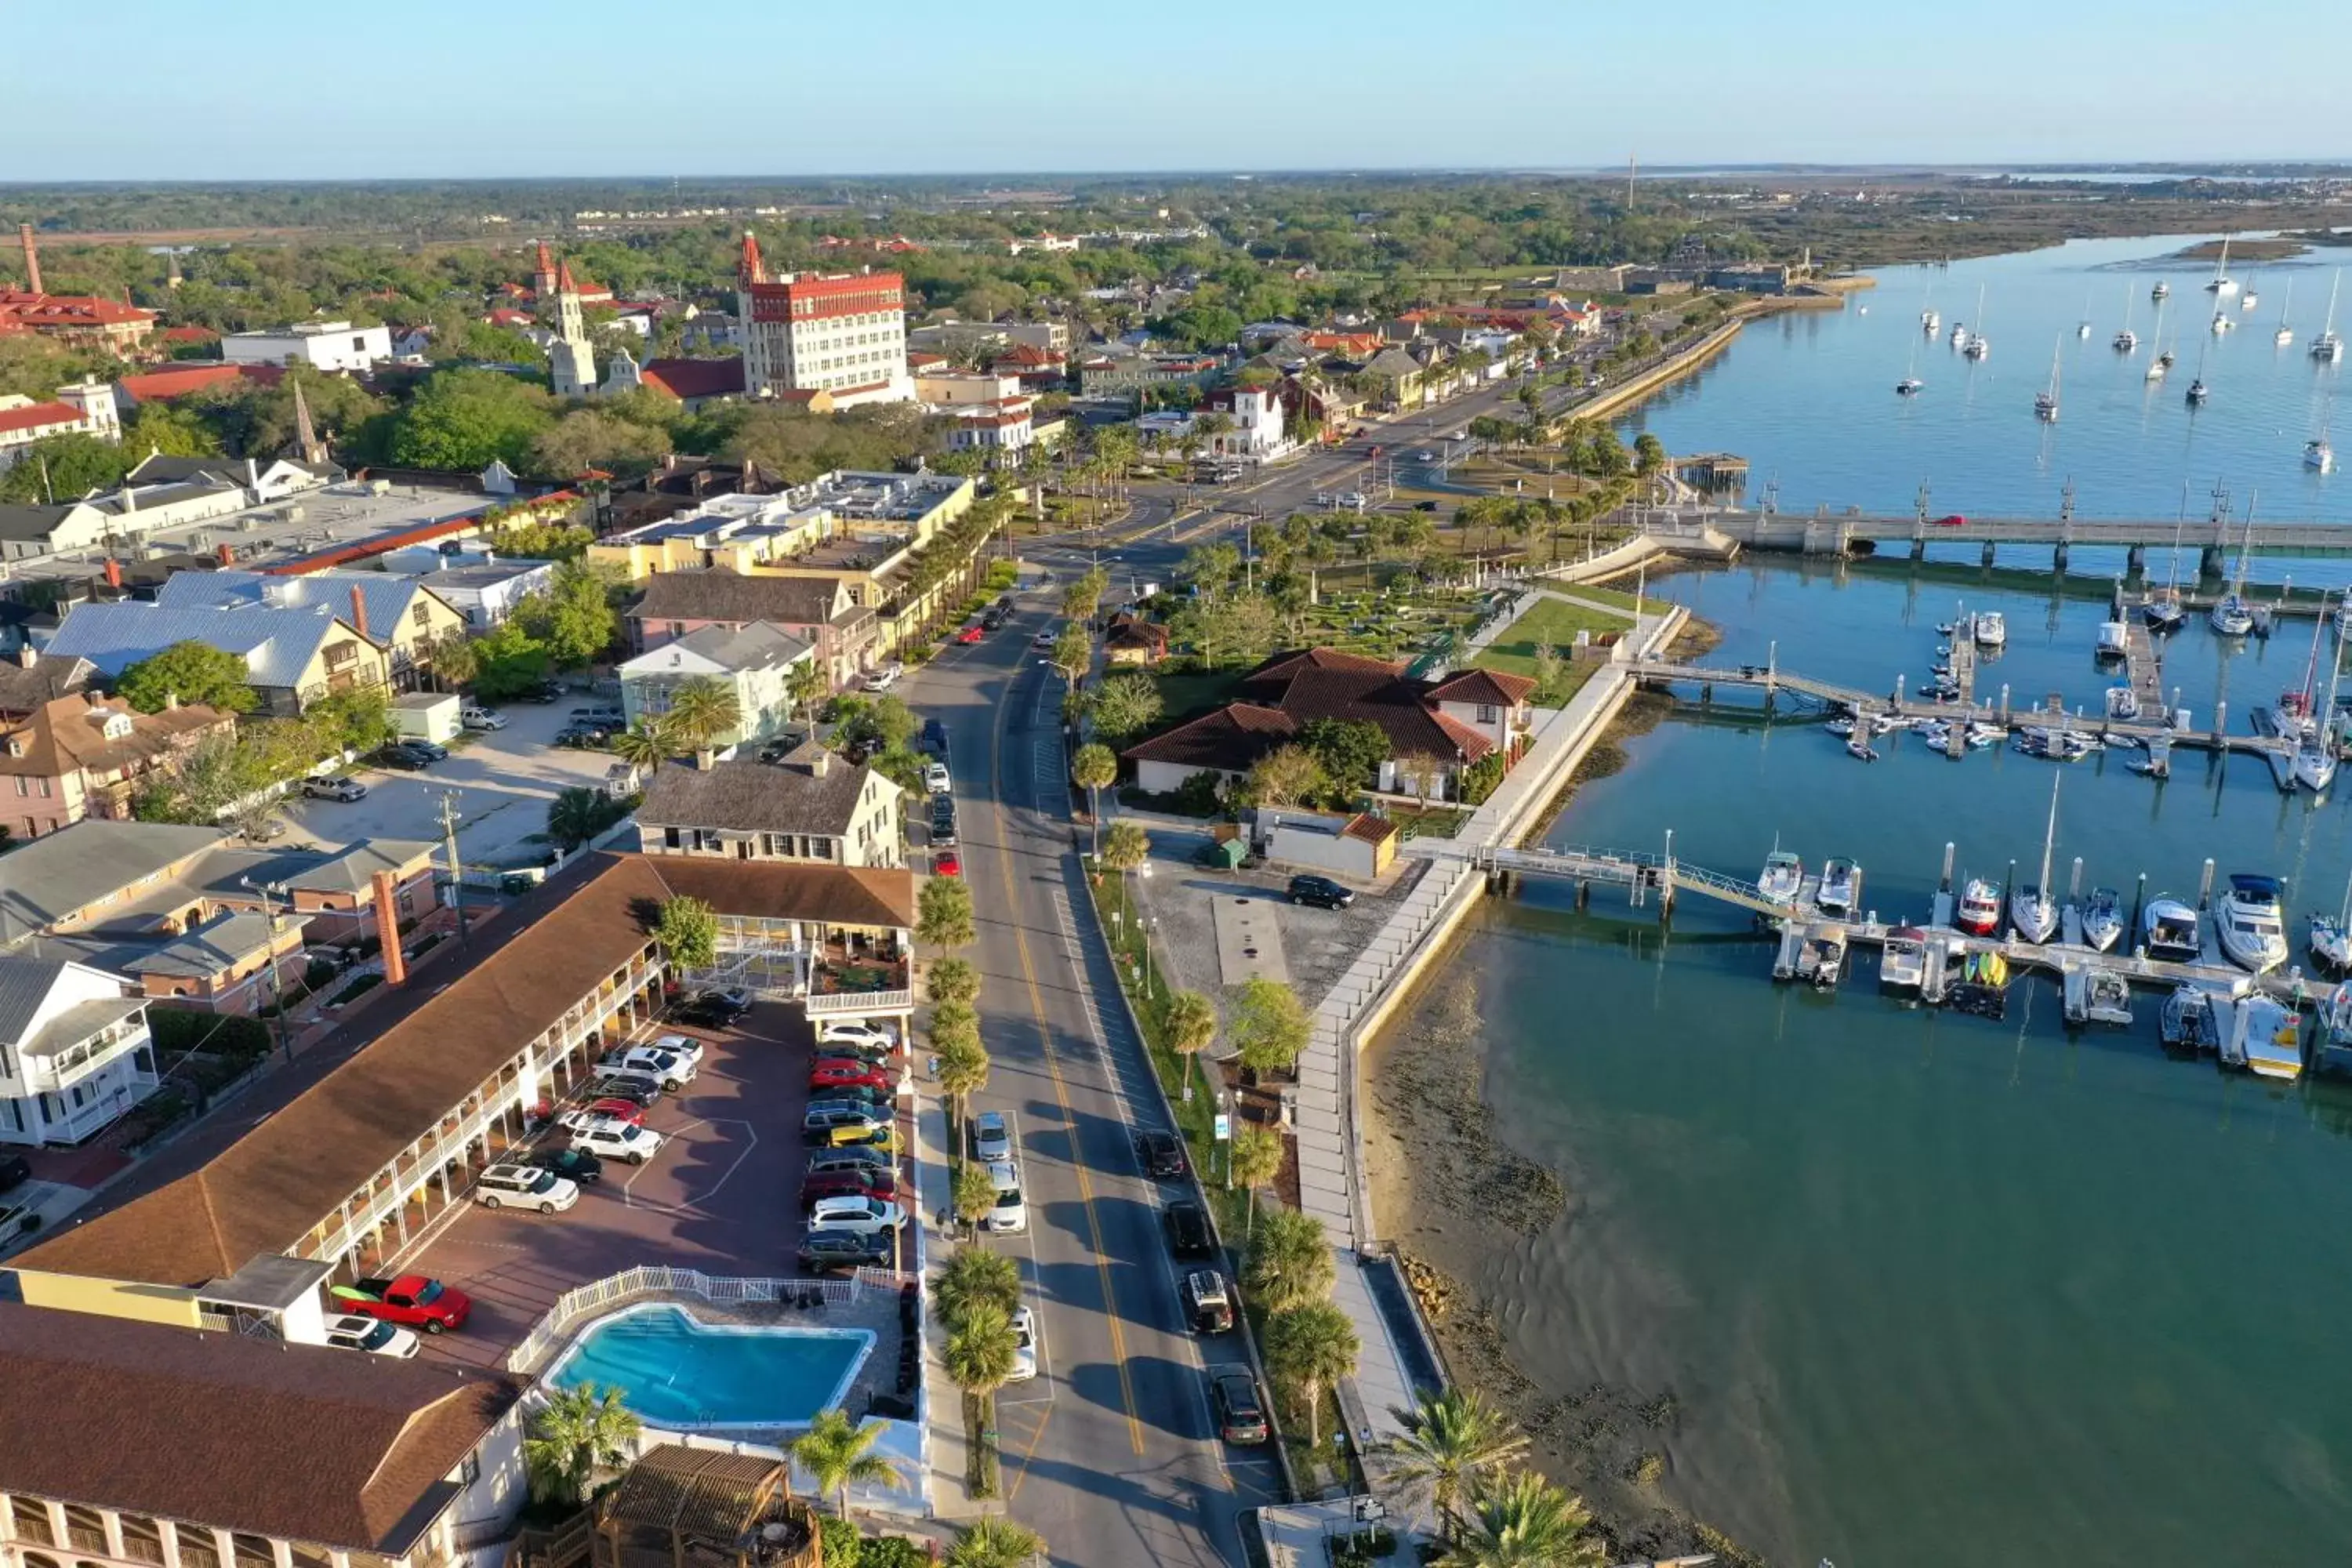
{"x":972,"y":633}
{"x":628,"y":1110}
{"x":411,"y":1299}
{"x":847,"y":1185}
{"x":850,"y":1075}
{"x":946,"y":864}
{"x":1955,"y":520}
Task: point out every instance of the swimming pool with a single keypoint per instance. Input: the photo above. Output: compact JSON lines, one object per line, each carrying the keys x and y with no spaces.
{"x":680,"y":1372}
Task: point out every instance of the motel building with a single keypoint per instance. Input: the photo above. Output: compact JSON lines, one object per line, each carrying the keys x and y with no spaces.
{"x":242,"y":1229}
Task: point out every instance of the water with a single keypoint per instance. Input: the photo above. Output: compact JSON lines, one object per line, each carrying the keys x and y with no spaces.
{"x":680,"y":1372}
{"x":1808,"y":398}
{"x":1927,"y":1289}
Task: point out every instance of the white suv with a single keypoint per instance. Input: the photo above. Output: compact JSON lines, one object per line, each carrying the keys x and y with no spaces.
{"x":848,"y":1033}
{"x":373,"y":1335}
{"x":661,"y":1069}
{"x":867,"y":1216}
{"x":525,"y":1186}
{"x":1024,"y":1346}
{"x":619,"y":1140}
{"x":1011,"y":1213}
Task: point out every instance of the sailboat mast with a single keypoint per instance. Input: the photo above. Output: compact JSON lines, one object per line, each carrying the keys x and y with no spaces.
{"x":2049,"y":842}
{"x":2246,"y":546}
{"x":2311,"y":666}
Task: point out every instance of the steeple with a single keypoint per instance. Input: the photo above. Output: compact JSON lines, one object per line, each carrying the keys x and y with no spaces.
{"x":571,"y":362}
{"x":752,"y":269}
{"x":307,"y":445}
{"x":542,"y":277}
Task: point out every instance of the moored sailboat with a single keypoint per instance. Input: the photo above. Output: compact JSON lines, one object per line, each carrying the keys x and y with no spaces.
{"x":2034,"y":908}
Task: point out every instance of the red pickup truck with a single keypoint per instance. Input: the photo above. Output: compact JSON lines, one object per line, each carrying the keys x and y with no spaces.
{"x":412,"y":1301}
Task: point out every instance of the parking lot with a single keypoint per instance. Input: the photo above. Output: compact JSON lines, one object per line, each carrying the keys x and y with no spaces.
{"x":720,"y":1195}
{"x":503,"y":781}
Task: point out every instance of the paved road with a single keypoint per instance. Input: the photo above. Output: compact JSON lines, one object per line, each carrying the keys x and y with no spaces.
{"x":1111,"y":1452}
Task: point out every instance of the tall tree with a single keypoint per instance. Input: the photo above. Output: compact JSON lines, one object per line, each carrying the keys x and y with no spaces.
{"x":1450,"y":1441}
{"x":972,"y":1275}
{"x":839,"y":1454}
{"x":1125,"y":705}
{"x":1522,"y":1520}
{"x":646,"y":744}
{"x":1094,"y":769}
{"x":1270,"y":1027}
{"x":705,"y":711}
{"x":1191,"y":1025}
{"x":953,"y":980}
{"x":687,"y":930}
{"x":191,"y":671}
{"x":1311,"y":1347}
{"x":943,"y":916}
{"x":1127,"y":846}
{"x":1283,"y":776}
{"x":1290,"y":1261}
{"x":1074,"y":652}
{"x":578,"y":1434}
{"x":1257,"y":1156}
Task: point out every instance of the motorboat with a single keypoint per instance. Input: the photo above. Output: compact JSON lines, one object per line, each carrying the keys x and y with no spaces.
{"x":2115,"y":640}
{"x":2105,"y":998}
{"x":1929,"y":321}
{"x":2123,"y":702}
{"x":1936,"y":735}
{"x":2162,"y":291}
{"x":1980,"y":908}
{"x":2034,"y":908}
{"x":2198,"y":393}
{"x":1887,"y":723}
{"x":2270,"y":1038}
{"x":2170,"y":931}
{"x":1783,"y":876}
{"x":2187,"y":1022}
{"x":2251,"y":923}
{"x":2125,"y":341}
{"x":2102,"y":919}
{"x":2330,"y":942}
{"x":1842,"y":726}
{"x":2222,"y":283}
{"x":2231,"y":617}
{"x":1822,"y":961}
{"x":1983,"y":985}
{"x":1959,"y":334}
{"x":1861,"y":751}
{"x":1909,"y":385}
{"x":1981,"y":734}
{"x":1990,"y":630}
{"x":2319,"y":455}
{"x":1902,"y":961}
{"x":1840,"y":888}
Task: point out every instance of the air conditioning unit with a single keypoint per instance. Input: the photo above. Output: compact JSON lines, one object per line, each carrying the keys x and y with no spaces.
{"x":249,"y":524}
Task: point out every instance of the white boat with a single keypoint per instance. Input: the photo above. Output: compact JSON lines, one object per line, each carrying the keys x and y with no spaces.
{"x":2082,"y":329}
{"x":2330,"y":941}
{"x":1842,"y":726}
{"x":2327,"y":345}
{"x":2034,"y":908}
{"x":1980,"y":909}
{"x":2115,"y":640}
{"x":1783,"y":876}
{"x":2102,"y":917}
{"x":1908,"y":386}
{"x":2231,"y":617}
{"x":2156,"y":369}
{"x":2286,"y":334}
{"x":1990,"y":630}
{"x":2318,"y":454}
{"x":1903,"y":959}
{"x":2169,"y":930}
{"x":1929,"y":321}
{"x":1983,"y":734}
{"x":2106,"y":998}
{"x":2161,"y":290}
{"x":2315,"y":758}
{"x":2222,"y":283}
{"x":1936,"y":735}
{"x":2045,"y":402}
{"x":1840,"y":888}
{"x":1822,"y":961}
{"x":2269,"y":1040}
{"x":2162,"y":614}
{"x":2336,"y":1017}
{"x":2251,"y":923}
{"x":2187,"y":1022}
{"x":2248,"y":299}
{"x":2125,"y":341}
{"x":2222,"y":324}
{"x":2123,"y":702}
{"x":1959,"y":333}
{"x":1977,"y":345}
{"x":1861,"y":750}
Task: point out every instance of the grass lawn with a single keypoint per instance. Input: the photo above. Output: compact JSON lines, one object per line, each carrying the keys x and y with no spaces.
{"x":1618,"y":599}
{"x":1554,"y":621}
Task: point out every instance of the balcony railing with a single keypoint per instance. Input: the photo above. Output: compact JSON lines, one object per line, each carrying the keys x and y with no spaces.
{"x":839,"y":1002}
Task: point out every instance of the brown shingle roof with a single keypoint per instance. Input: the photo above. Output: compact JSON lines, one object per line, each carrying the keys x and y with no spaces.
{"x":304,"y":1442}
{"x":689,"y":378}
{"x":745,"y":796}
{"x":712,"y":594}
{"x":769,"y":889}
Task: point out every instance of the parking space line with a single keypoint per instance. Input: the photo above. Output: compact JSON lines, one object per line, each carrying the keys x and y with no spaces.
{"x":751,"y":1142}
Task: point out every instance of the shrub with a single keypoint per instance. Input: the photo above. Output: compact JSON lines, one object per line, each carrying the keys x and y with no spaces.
{"x":176,"y":1031}
{"x":359,"y":987}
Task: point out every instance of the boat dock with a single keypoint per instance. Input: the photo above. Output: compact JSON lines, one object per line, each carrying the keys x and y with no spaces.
{"x":2143,"y":654}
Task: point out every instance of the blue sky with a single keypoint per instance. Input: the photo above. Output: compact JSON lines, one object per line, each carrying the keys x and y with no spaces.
{"x":268,"y":89}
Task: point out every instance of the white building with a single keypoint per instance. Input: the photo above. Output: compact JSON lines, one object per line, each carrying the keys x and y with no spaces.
{"x":321,"y":346}
{"x":1256,"y":414}
{"x":87,"y":408}
{"x":755,"y":660}
{"x":570,"y":358}
{"x":844,"y":334}
{"x":998,"y":429}
{"x":74,"y":1051}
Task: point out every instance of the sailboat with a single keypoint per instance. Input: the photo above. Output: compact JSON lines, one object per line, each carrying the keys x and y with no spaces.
{"x":2163,"y":360}
{"x":2327,"y":345}
{"x":2222,"y":282}
{"x":2248,"y":299}
{"x":2331,"y":936}
{"x":1979,"y":345}
{"x":2161,"y":290}
{"x":2315,"y":759}
{"x":2162,"y":610}
{"x":1910,"y":384}
{"x":2126,"y":339}
{"x":2045,"y":402}
{"x":2082,"y":327}
{"x":2318,"y":453}
{"x":1928,"y":320}
{"x":2197,"y":392}
{"x":2286,"y":334}
{"x":2034,"y":910}
{"x":2230,"y":616}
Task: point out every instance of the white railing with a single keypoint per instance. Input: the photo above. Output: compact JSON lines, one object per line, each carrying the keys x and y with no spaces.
{"x":651,"y":1279}
{"x":862,"y":1001}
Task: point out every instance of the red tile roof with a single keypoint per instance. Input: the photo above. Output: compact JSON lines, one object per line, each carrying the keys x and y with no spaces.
{"x":37,"y":417}
{"x":67,"y":310}
{"x":190,"y":336}
{"x":688,"y":378}
{"x":179,"y":380}
{"x":1499,"y":688}
{"x":1294,"y":688}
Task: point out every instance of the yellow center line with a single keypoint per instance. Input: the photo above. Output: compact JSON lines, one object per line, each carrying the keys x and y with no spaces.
{"x":1061,"y":1093}
{"x":1027,"y":1454}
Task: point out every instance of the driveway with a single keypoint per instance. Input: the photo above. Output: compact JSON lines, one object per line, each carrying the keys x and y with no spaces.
{"x":503,"y":781}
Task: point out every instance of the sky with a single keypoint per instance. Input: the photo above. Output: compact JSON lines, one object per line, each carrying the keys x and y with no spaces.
{"x":433,"y":88}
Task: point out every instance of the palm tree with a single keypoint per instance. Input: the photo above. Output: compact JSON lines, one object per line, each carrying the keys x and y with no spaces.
{"x":1522,"y":1520}
{"x":1451,"y":1440}
{"x":1256,"y":1160}
{"x":804,"y":688}
{"x":995,"y":1542}
{"x":1129,"y":845}
{"x":953,"y":980}
{"x":962,"y":1070}
{"x":979,"y":1355}
{"x":577,"y":1434}
{"x":1312,"y":1347}
{"x":972,"y":1275}
{"x":646,"y":744}
{"x":1191,"y":1022}
{"x":1289,"y":1261}
{"x":702,"y":708}
{"x":578,"y":815}
{"x":1094,"y":766}
{"x":838,"y":1455}
{"x":973,"y":1191}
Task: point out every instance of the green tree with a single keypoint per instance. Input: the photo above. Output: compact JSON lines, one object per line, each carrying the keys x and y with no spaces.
{"x":1256,"y":1157}
{"x":1450,"y":1441}
{"x":580,"y":813}
{"x":804,"y":686}
{"x":1094,"y":769}
{"x":466,"y":419}
{"x":1125,"y":705}
{"x":994,"y":1542}
{"x":979,"y":1348}
{"x":943,"y":916}
{"x":169,"y":430}
{"x":962,"y":1067}
{"x":1127,"y":846}
{"x":508,"y":661}
{"x":193,"y":672}
{"x":1083,"y":595}
{"x":687,"y":930}
{"x":1350,"y":750}
{"x":646,"y":744}
{"x":953,"y":980}
{"x":573,"y":619}
{"x":63,"y":468}
{"x":1522,"y":1520}
{"x":972,"y":1275}
{"x":974,"y":1191}
{"x":1550,"y":671}
{"x":1310,"y":1347}
{"x":1283,"y":776}
{"x":589,"y":438}
{"x":1209,"y":568}
{"x":577,"y":1435}
{"x":1289,"y":1261}
{"x":704,"y":711}
{"x":1191,"y":1025}
{"x":838,"y":1453}
{"x":1074,"y":652}
{"x":1269,"y":1027}
{"x":201,"y":785}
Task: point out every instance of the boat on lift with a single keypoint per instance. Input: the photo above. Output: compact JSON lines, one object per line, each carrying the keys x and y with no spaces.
{"x":1840,"y":888}
{"x":2250,"y":922}
{"x":1979,"y":908}
{"x":1783,"y":876}
{"x":2034,"y":908}
{"x":2170,"y":931}
{"x":2102,"y":919}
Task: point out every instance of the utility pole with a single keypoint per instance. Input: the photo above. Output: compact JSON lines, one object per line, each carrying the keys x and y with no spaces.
{"x":457,"y":869}
{"x":277,"y":982}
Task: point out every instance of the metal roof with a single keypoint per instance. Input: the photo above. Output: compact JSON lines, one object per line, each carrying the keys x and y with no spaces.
{"x":276,"y":645}
{"x":59,"y":874}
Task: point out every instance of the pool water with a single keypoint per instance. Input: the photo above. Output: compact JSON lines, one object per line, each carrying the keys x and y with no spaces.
{"x":680,"y":1372}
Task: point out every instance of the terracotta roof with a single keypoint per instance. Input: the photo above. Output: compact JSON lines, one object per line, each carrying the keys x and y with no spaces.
{"x":68,"y":736}
{"x":179,"y":380}
{"x":1371,"y":829}
{"x":685,"y":378}
{"x":1497,"y":687}
{"x":67,"y":310}
{"x":1232,"y":737}
{"x":1292,"y":689}
{"x":38,"y":416}
{"x":303,"y":1442}
{"x":190,"y":336}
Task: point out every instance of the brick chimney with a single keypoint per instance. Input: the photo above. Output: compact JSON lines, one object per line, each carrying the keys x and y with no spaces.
{"x":223,"y":555}
{"x":359,"y":611}
{"x":32,"y":257}
{"x":113,"y":573}
{"x":387,"y":930}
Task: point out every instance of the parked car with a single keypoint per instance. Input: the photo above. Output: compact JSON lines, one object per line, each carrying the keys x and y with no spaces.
{"x":1208,"y":1305}
{"x":856,"y":1212}
{"x":1241,"y":1414}
{"x":433,"y":751}
{"x":874,"y":1103}
{"x":14,"y":1172}
{"x":825,"y":1251}
{"x":712,"y":1009}
{"x":1011,"y":1213}
{"x":636,"y":1090}
{"x":994,"y":618}
{"x":546,"y":691}
{"x":1024,"y":1345}
{"x":619,"y":1140}
{"x":827,"y":1159}
{"x":613,"y":1108}
{"x":333,"y":789}
{"x":943,"y":822}
{"x":373,"y":1335}
{"x":602,"y":716}
{"x":846,"y":1073}
{"x":884,"y":679}
{"x":575,"y":1165}
{"x":525,"y":1187}
{"x":1320,"y":891}
{"x":936,"y":778}
{"x":947,"y":863}
{"x":685,"y":1047}
{"x":864,"y":1183}
{"x":865,"y":1136}
{"x":991,"y":1138}
{"x":1954,"y":519}
{"x":972,"y":633}
{"x":585,"y":737}
{"x":935,"y":738}
{"x":474,"y":718}
{"x":412,"y":1300}
{"x":1162,"y":1155}
{"x":842,"y":1032}
{"x":1188,"y":1229}
{"x":670,"y":1071}
{"x":404,"y":756}
{"x":822,"y":1121}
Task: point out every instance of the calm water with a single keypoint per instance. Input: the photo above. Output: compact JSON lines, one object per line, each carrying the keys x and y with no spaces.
{"x":1928,"y":1290}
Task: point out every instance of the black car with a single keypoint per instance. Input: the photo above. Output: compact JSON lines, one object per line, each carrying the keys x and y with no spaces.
{"x":943,"y":822}
{"x":587,"y":737}
{"x":636,"y":1090}
{"x":824,"y":1251}
{"x":935,"y":738}
{"x":1188,"y":1230}
{"x":578,"y":1164}
{"x":709,"y":1010}
{"x":544,"y":692}
{"x":14,"y":1172}
{"x":1241,"y":1414}
{"x":432,"y":750}
{"x":1321,"y":891}
{"x":404,"y":757}
{"x":1162,"y":1155}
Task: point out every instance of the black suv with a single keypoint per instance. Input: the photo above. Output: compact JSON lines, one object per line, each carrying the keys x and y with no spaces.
{"x":1188,"y":1230}
{"x":1321,"y":891}
{"x":824,"y":1251}
{"x":1162,"y":1155}
{"x":943,"y":822}
{"x":408,"y":758}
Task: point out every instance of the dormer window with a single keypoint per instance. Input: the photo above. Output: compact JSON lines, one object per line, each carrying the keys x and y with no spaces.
{"x":117,"y":726}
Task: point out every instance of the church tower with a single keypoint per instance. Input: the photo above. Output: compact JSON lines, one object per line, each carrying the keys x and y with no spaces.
{"x":543,"y":278}
{"x":573,"y":360}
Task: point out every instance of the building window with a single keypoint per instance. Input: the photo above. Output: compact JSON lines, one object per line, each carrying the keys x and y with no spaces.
{"x":1486,"y":712}
{"x":471,"y":1470}
{"x":820,"y":849}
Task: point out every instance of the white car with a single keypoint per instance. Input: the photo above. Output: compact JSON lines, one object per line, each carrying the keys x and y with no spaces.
{"x":854,"y":1211}
{"x":1024,"y":1345}
{"x":844,"y":1033}
{"x":686,"y":1047}
{"x":884,"y":679}
{"x":373,"y":1335}
{"x":991,"y":1138}
{"x":935,"y":779}
{"x":1011,"y":1213}
{"x":620,"y":1141}
{"x":661,"y":1069}
{"x":580,"y":1119}
{"x":526,"y":1187}
{"x":481,"y":718}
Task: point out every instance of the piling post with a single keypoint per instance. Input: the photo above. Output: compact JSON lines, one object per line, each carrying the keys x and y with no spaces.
{"x":1945,"y":884}
{"x":2074,"y":882}
{"x":2135,"y":560}
{"x":2205,"y":885}
{"x":2057,"y":557}
{"x":2209,"y":561}
{"x":2139,"y":907}
{"x":2008,"y":891}
{"x":2004,"y":703}
{"x":1987,"y":552}
{"x":2220,"y":729}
